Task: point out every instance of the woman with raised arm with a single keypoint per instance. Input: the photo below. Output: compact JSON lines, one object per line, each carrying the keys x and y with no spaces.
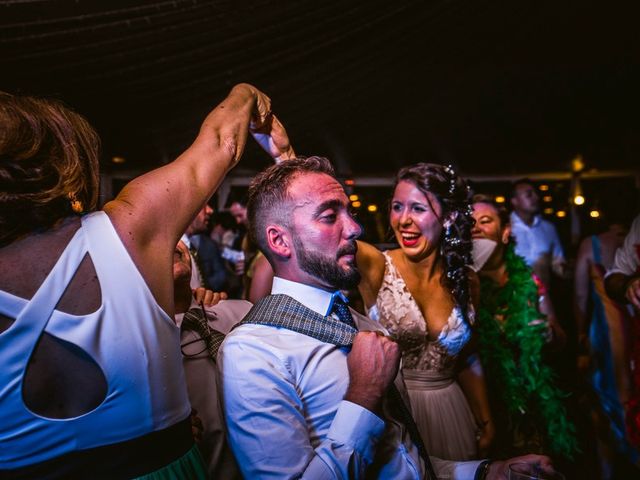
{"x":421,"y":292}
{"x":91,"y":384}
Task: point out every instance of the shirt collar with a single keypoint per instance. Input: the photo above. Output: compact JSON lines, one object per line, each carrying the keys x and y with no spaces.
{"x":515,"y":218}
{"x":316,"y":299}
{"x":185,"y":239}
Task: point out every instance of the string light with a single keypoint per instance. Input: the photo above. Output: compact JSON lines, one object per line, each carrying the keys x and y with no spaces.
{"x":578,"y":200}
{"x":594,"y":214}
{"x":372,"y":208}
{"x":356,"y":204}
{"x":500,"y":199}
{"x":547,"y":198}
{"x":561,"y":214}
{"x":354,"y":197}
{"x":548,"y":211}
{"x":544,"y":188}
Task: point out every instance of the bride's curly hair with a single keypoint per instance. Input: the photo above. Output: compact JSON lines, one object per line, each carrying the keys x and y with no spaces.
{"x":454,"y":196}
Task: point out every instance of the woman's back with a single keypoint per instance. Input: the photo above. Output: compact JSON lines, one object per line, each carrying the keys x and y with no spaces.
{"x":98,"y":375}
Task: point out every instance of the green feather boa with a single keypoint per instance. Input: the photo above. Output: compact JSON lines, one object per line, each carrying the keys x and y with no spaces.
{"x":511,"y":353}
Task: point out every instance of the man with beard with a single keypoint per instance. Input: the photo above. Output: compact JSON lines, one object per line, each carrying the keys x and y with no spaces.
{"x":310,"y":387}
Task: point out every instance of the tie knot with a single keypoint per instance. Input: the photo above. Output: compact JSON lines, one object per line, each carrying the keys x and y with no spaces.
{"x":341,"y":310}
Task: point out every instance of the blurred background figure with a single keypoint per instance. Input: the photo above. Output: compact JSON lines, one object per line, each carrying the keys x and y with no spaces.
{"x":537,"y":240}
{"x":605,"y":331}
{"x":208,"y":269}
{"x":223,"y":229}
{"x":622,"y":283}
{"x":237,"y":254}
{"x":515,"y":322}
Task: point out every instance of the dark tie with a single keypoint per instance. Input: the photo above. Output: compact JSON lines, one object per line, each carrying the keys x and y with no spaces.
{"x":341,"y":310}
{"x":195,"y":320}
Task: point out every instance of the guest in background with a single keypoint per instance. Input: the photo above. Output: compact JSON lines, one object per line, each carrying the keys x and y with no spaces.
{"x":421,"y":293}
{"x":605,"y":330}
{"x":224,"y":229}
{"x":622,"y":283}
{"x":515,"y":322}
{"x":537,"y":240}
{"x":210,"y":268}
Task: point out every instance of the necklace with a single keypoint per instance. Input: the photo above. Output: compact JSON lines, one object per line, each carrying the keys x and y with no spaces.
{"x":511,"y":352}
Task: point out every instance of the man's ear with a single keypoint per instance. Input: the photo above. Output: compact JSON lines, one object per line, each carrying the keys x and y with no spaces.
{"x":506,"y":233}
{"x":279,"y":241}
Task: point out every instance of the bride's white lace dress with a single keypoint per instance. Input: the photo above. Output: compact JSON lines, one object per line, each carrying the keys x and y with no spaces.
{"x":440,"y":408}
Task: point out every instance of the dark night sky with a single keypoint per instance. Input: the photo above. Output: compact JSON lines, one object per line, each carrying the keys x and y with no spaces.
{"x":491,"y":86}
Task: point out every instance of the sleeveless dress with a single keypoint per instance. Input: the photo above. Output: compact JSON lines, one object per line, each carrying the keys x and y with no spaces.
{"x":440,"y":409}
{"x":610,"y":339}
{"x":141,"y":428}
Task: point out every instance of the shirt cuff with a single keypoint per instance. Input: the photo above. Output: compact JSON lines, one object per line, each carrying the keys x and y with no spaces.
{"x":466,"y":470}
{"x":355,"y":425}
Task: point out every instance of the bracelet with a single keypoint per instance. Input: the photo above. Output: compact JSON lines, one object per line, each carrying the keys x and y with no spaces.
{"x":483,"y":470}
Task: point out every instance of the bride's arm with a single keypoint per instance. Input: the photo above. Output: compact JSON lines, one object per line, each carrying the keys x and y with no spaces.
{"x":471,"y":379}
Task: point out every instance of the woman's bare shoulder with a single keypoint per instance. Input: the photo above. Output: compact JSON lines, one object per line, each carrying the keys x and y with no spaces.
{"x":370,"y":262}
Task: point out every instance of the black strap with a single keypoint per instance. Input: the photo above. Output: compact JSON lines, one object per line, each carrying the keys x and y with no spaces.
{"x":123,"y":460}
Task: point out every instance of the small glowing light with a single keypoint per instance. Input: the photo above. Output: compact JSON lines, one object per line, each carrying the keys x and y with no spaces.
{"x":594,"y":214}
{"x":118,"y":160}
{"x":349,"y":181}
{"x":356,"y":204}
{"x":561,"y":214}
{"x":547,"y":198}
{"x":500,"y":199}
{"x":353,"y":197}
{"x":548,"y":211}
{"x":544,"y":188}
{"x":577,"y":164}
{"x":578,"y":200}
{"x":372,"y":208}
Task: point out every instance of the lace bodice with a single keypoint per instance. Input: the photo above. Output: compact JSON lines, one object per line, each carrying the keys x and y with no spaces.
{"x":398,"y":312}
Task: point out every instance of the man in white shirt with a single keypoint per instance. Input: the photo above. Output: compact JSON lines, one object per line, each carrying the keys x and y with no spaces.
{"x":623,"y":280}
{"x":536,"y":239}
{"x":299,"y":407}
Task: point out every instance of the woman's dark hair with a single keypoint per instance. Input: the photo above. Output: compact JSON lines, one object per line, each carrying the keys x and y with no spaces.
{"x":454,"y":197}
{"x":48,"y":159}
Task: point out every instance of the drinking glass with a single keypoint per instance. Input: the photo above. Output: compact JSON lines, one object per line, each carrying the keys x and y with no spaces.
{"x":526,"y":471}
